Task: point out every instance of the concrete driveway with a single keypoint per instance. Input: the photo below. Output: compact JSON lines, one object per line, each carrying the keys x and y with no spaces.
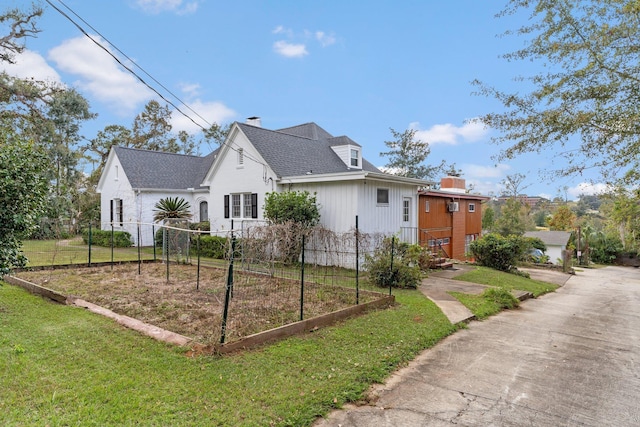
{"x":569,"y":358}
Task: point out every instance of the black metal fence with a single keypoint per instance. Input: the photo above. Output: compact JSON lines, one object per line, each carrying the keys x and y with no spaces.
{"x":273,"y":275}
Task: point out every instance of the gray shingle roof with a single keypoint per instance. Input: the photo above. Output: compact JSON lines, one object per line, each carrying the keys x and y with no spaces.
{"x":307,"y":130}
{"x":553,"y":238}
{"x":300,"y":149}
{"x":156,"y":169}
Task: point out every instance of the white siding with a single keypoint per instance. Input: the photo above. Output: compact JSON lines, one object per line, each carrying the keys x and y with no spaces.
{"x":116,"y":186}
{"x":145,"y":205}
{"x":344,"y":152}
{"x":232,"y":178}
{"x":341,"y":201}
{"x":338,"y":202}
{"x":555,"y":254}
{"x":387,"y":219}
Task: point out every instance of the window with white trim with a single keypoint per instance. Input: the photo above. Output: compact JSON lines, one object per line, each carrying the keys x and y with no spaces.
{"x":426,"y":206}
{"x":406,"y":209}
{"x":472,"y":207}
{"x":382,"y":196}
{"x":116,"y":214}
{"x":246,"y":205}
{"x":204,"y":211}
{"x":241,"y":205}
{"x":235,"y":205}
{"x":354,"y":157}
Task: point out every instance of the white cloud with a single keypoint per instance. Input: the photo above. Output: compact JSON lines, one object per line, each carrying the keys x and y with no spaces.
{"x":483,"y":171}
{"x":31,"y":65}
{"x":450,"y":134}
{"x":282,"y":30}
{"x":325,"y":39}
{"x":290,"y":50}
{"x":178,"y":6}
{"x":191,"y":90}
{"x":99,"y":74}
{"x":485,"y":179}
{"x":213,"y":112}
{"x":588,"y":189}
{"x":293,"y":47}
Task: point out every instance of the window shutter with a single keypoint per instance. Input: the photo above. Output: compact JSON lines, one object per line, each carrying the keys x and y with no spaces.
{"x":254,"y":205}
{"x":121,"y":212}
{"x":226,"y":206}
{"x":111,"y":212}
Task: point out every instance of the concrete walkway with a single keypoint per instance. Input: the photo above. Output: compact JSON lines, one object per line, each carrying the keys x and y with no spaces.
{"x":439,"y":284}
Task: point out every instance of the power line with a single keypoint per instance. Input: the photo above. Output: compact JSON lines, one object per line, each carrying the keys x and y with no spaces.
{"x":133,"y":62}
{"x":97,"y":43}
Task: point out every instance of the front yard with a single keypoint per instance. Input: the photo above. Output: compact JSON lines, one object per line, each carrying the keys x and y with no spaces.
{"x":61,"y":365}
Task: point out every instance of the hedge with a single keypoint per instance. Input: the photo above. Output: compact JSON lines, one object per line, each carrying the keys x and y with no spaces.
{"x":210,"y":247}
{"x":121,"y":239}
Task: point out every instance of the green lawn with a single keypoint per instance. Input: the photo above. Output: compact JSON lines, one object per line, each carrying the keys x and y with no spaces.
{"x":74,"y":251}
{"x":500,"y":279}
{"x":487,"y":304}
{"x":60,"y":365}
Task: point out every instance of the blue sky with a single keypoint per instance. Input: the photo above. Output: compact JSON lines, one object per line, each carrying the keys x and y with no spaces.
{"x":355,"y":68}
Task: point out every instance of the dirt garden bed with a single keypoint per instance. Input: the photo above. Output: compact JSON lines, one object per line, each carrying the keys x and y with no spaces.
{"x":259,"y":302}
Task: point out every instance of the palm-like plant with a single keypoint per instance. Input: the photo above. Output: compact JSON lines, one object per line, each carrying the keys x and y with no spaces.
{"x":171,"y":207}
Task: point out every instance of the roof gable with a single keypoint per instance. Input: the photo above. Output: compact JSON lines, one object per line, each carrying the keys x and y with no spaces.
{"x":156,"y":169}
{"x":307,"y":130}
{"x":300,"y":150}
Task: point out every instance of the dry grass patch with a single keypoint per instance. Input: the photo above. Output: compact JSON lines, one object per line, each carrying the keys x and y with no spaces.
{"x":259,"y":302}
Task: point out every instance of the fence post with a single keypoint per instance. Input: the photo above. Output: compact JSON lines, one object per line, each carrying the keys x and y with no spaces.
{"x":153,"y":234}
{"x":139,"y":259}
{"x":89,"y":258}
{"x":166,"y":242}
{"x":357,"y":263}
{"x":112,"y":234}
{"x":391,"y":275}
{"x":198,"y":251}
{"x":302,"y":282}
{"x":228,"y":291}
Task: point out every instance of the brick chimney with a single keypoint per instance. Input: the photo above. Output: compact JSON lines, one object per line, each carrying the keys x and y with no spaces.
{"x":453,"y":184}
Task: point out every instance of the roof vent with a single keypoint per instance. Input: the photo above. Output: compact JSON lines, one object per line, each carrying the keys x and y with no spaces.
{"x":254,"y":121}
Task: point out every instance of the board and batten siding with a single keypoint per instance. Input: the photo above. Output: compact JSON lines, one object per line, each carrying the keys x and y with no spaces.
{"x":338,"y":203}
{"x":341,"y":201}
{"x":386,"y":219}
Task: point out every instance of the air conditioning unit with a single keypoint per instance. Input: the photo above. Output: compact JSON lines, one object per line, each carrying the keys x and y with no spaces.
{"x":454,"y":207}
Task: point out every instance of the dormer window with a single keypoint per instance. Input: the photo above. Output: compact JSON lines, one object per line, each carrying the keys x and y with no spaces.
{"x":348,"y":151}
{"x":354,"y":158}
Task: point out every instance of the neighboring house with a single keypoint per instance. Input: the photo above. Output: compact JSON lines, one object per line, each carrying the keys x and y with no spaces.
{"x":232,"y":182}
{"x":556,"y":242}
{"x":450,"y":218}
{"x":134,"y":180}
{"x":531,"y":201}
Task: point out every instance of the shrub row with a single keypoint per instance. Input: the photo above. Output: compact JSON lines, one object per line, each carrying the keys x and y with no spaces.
{"x":210,"y":247}
{"x":121,"y":239}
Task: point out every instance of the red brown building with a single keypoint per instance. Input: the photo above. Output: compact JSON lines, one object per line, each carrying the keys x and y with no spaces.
{"x":449,"y":218}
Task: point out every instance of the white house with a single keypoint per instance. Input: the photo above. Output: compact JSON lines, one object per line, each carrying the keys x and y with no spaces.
{"x":134,"y":180}
{"x":231,"y":184}
{"x":556,"y":242}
